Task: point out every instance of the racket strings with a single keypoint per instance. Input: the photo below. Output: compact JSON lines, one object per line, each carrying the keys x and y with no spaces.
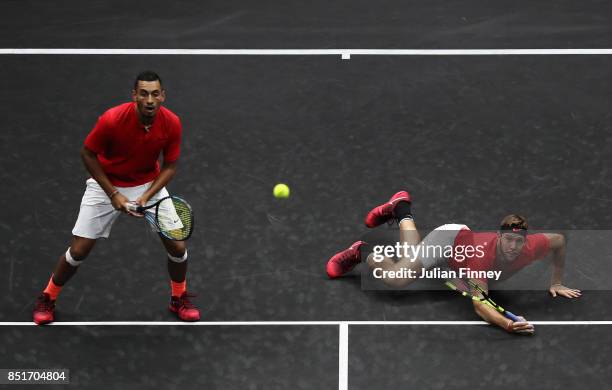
{"x":468,"y":288}
{"x":185,"y":216}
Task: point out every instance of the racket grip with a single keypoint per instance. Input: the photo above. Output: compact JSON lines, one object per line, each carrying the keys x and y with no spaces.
{"x":135,"y":208}
{"x":511,"y":316}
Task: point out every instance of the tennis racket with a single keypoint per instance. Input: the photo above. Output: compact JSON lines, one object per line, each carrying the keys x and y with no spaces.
{"x":468,"y":288}
{"x":172,"y":216}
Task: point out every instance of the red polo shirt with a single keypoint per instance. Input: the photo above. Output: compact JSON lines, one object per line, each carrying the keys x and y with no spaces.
{"x":536,"y":247}
{"x":127,"y":152}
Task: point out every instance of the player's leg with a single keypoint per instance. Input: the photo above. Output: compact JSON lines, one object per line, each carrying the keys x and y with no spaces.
{"x":430,"y":253}
{"x":66,"y":266}
{"x":398,"y":208}
{"x":69,"y":261}
{"x":95,"y":220}
{"x":177,"y":262}
{"x":177,"y":269}
{"x":409,"y":237}
{"x":177,"y":258}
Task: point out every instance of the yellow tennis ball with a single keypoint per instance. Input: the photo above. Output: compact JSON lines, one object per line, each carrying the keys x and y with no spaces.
{"x":281,"y":191}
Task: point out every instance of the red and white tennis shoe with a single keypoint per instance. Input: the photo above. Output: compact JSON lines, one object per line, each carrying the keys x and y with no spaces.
{"x":381,"y":214}
{"x":343,"y":262}
{"x":43,"y":310}
{"x":184,"y":308}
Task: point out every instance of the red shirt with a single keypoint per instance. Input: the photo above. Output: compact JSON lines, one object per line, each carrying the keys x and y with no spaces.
{"x":536,"y":247}
{"x":127,"y":152}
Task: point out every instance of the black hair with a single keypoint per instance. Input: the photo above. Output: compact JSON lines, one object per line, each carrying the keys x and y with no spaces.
{"x":147,"y":75}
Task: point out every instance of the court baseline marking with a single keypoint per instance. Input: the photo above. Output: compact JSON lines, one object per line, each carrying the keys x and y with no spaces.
{"x":345,"y":54}
{"x":284,"y":323}
{"x":342,"y":327}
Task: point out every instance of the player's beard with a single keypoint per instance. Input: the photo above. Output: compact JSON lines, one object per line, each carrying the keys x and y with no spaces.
{"x":149,"y":111}
{"x":147,"y":116}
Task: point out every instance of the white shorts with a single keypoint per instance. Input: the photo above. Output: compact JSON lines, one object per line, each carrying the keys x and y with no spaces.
{"x":97,"y":215}
{"x":442,"y":236}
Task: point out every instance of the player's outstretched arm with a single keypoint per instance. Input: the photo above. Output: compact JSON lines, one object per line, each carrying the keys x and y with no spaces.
{"x":557,"y":247}
{"x":494,"y":317}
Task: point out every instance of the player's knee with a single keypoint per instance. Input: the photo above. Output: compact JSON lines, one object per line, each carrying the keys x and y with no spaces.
{"x":178,"y":256}
{"x":370,"y":260}
{"x":396,"y":283}
{"x":177,"y":248}
{"x":75,"y":256}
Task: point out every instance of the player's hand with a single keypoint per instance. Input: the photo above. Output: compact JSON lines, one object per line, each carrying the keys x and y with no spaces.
{"x":140,"y":201}
{"x":522,"y":326}
{"x":120,"y":202}
{"x":131,"y":208}
{"x":559,"y":289}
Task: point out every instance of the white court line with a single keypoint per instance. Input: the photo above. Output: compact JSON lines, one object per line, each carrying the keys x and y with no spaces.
{"x":343,"y":330}
{"x":286,"y":323}
{"x":343,"y":357}
{"x":343,"y":53}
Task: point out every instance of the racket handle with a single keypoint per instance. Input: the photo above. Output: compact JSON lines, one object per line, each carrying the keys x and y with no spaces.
{"x":511,"y":316}
{"x":135,"y":208}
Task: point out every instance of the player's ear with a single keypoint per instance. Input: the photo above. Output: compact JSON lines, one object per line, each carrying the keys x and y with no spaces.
{"x":133,"y":95}
{"x":163,"y":95}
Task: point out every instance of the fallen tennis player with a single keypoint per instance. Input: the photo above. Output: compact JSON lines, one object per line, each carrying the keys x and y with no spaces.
{"x":456,"y":249}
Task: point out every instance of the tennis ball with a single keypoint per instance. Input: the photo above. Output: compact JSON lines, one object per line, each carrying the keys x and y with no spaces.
{"x":281,"y":191}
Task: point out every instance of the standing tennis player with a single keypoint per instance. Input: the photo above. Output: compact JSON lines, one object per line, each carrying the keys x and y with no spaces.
{"x":508,"y":250}
{"x":121,"y":155}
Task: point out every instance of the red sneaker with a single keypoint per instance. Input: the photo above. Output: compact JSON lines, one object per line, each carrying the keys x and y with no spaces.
{"x":381,"y":214}
{"x":343,"y":262}
{"x":43,"y":310}
{"x":184,"y":309}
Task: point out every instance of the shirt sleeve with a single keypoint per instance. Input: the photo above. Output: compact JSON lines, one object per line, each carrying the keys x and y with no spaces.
{"x":172,"y":150}
{"x":540,"y":244}
{"x":98,"y":139}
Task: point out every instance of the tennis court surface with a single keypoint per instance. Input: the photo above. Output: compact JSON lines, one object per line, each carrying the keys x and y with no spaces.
{"x":473,"y":137}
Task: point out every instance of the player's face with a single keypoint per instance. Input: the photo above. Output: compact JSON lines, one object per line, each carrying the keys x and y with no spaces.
{"x":149,"y":96}
{"x":511,"y":245}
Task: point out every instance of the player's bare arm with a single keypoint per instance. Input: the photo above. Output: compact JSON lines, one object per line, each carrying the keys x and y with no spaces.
{"x":558,"y":249}
{"x":493,"y":317}
{"x":90,"y":160}
{"x":166,"y":174}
